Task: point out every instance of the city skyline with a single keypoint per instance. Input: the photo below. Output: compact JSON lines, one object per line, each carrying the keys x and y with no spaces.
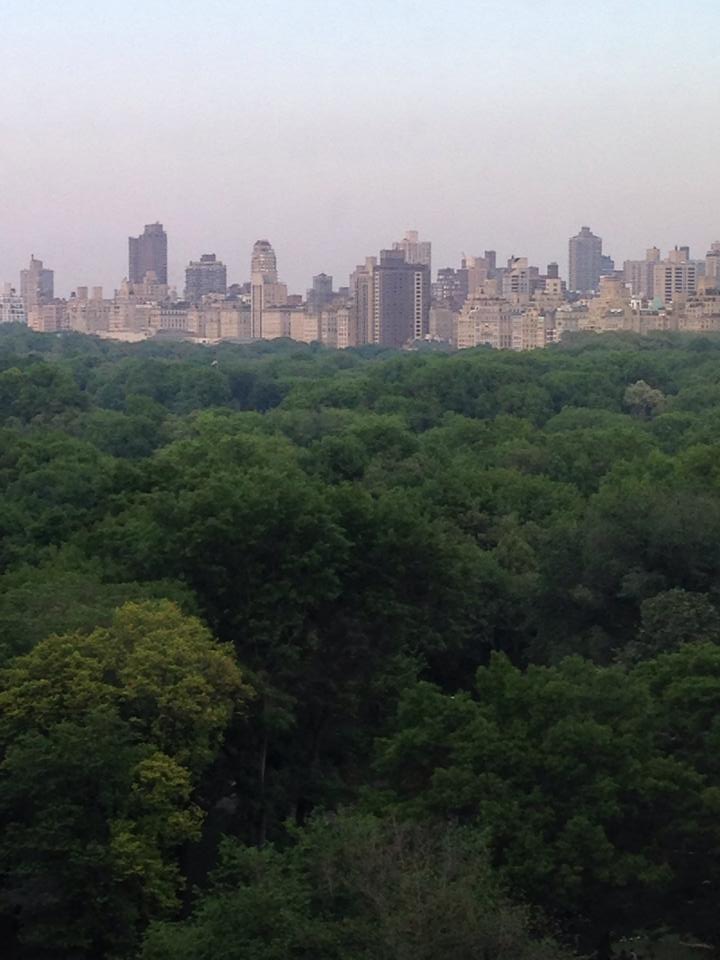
{"x":391,"y":298}
{"x":477,"y":122}
{"x":238,"y":269}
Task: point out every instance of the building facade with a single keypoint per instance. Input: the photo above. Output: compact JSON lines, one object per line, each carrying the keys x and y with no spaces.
{"x":337,"y":326}
{"x":415,"y":250}
{"x":266,"y":293}
{"x":49,"y":317}
{"x":88,"y":312}
{"x":400,"y":300}
{"x":321,"y":293}
{"x":361,"y":290}
{"x":148,"y":253}
{"x":37,"y":285}
{"x":529,"y":330}
{"x":676,"y":277}
{"x":12,"y":308}
{"x":585,"y":261}
{"x":639,"y":275}
{"x":205,"y":276}
{"x":485,"y":320}
{"x":712,"y":265}
{"x":519,"y":279}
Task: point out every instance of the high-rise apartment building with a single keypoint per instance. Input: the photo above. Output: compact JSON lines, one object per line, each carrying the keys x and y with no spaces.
{"x":486,"y":319}
{"x":478,"y":270}
{"x":676,"y":277}
{"x":415,"y":249}
{"x":12,"y":308}
{"x":400,"y":300}
{"x":519,"y":279}
{"x":88,"y":311}
{"x":304,"y":326}
{"x":205,"y":276}
{"x":639,"y":275}
{"x":264,"y":262}
{"x":712,"y":265}
{"x":390,"y":300}
{"x":321,"y":293}
{"x":361,"y":290}
{"x":443,"y":320}
{"x":266,"y":292}
{"x":585,"y":261}
{"x":529,"y":330}
{"x":37,"y":285}
{"x":451,"y":288}
{"x":49,"y":317}
{"x":337,"y":326}
{"x":148,"y":253}
{"x":607,"y":265}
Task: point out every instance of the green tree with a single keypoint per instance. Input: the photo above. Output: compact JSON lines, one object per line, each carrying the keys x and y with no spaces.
{"x":103,"y":738}
{"x":356,"y":888}
{"x":684,"y":688}
{"x":643,"y":400}
{"x":584,"y":814}
{"x":57,"y":597}
{"x":672,"y":619}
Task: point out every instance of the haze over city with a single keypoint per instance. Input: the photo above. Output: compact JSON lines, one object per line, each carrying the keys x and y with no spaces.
{"x":332,"y":127}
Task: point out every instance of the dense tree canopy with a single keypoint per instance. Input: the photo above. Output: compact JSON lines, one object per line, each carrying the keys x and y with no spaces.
{"x":356,"y":888}
{"x":471,"y":598}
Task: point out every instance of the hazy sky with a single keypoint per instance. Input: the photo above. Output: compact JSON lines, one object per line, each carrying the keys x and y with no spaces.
{"x":332,"y":126}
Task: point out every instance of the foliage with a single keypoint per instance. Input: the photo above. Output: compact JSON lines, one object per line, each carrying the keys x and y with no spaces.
{"x":479,"y":586}
{"x":590,"y":807}
{"x":355,"y":888}
{"x":103,"y":737}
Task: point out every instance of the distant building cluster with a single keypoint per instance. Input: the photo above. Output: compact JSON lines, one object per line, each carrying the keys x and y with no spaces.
{"x":391,"y":299}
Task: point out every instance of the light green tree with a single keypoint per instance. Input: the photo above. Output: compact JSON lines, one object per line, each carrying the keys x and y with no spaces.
{"x":102,"y":739}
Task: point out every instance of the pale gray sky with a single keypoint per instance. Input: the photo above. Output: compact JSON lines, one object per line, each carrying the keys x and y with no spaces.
{"x":331,"y":127}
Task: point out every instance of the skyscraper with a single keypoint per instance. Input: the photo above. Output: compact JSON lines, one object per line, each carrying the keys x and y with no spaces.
{"x":204,"y":276}
{"x":321,"y":293}
{"x":415,"y":249}
{"x":451,"y":288}
{"x":477,"y":270}
{"x":148,"y":254}
{"x":519,"y":278}
{"x":401,"y":300}
{"x":675,"y":277}
{"x":712,"y":264}
{"x":639,"y":275}
{"x":264,"y":261}
{"x":265,"y":290}
{"x":37,"y":285}
{"x":361,"y":290}
{"x":607,"y":265}
{"x":585,"y":261}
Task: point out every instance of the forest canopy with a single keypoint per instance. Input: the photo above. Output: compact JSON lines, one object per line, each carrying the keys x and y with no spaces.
{"x":358,"y":654}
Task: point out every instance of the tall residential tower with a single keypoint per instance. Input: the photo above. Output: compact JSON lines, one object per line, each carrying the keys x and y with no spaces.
{"x":585,"y":262}
{"x":415,"y":249}
{"x":37,"y":285}
{"x":205,"y":276}
{"x":401,"y":300}
{"x":265,"y":290}
{"x":148,"y":254}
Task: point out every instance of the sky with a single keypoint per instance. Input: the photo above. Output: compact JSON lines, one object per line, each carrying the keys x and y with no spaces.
{"x":330,"y":127}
